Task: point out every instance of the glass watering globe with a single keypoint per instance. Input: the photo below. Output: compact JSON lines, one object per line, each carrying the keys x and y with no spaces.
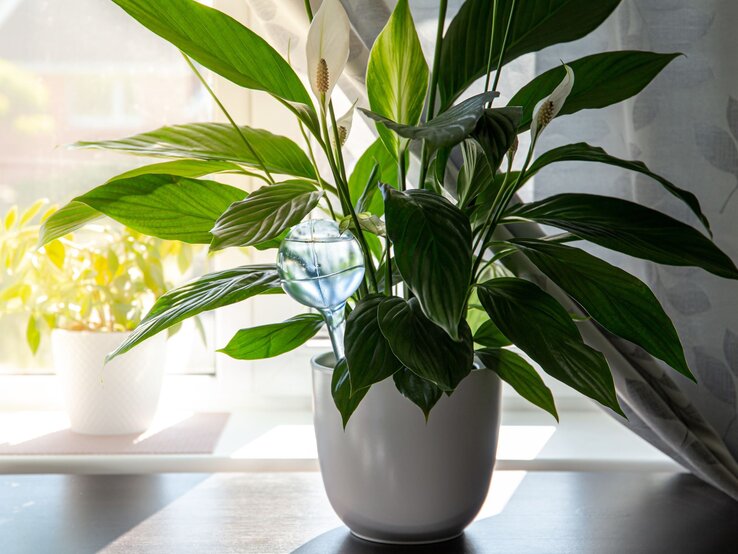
{"x":322,"y":267}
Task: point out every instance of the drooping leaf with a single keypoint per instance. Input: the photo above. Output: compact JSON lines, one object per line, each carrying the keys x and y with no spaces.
{"x":601,"y":80}
{"x":448,"y":129}
{"x":345,"y":399}
{"x":208,"y":292}
{"x":536,"y":25}
{"x":618,"y":301}
{"x":359,"y":185}
{"x":490,"y":335}
{"x":397,"y":75}
{"x":582,"y":152}
{"x":420,"y":392}
{"x":520,"y":375}
{"x":367,"y":221}
{"x":370,"y":359}
{"x":424,"y":347}
{"x":268,"y":341}
{"x":265,"y":214}
{"x":226,"y":47}
{"x":217,"y":142}
{"x":433,"y":251}
{"x":496,"y":132}
{"x":542,"y":328}
{"x":629,"y":228}
{"x":164,"y":206}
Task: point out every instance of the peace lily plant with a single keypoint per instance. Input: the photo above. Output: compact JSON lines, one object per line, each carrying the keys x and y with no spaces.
{"x":444,"y":256}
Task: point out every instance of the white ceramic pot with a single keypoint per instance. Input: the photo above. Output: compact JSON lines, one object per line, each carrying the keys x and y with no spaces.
{"x":115,"y":399}
{"x":393,"y":478}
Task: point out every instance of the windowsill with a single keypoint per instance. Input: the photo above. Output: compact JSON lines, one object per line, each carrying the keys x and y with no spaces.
{"x":284,"y":441}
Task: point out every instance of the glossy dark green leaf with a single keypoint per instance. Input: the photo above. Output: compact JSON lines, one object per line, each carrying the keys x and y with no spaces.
{"x":448,"y":129}
{"x":370,"y":359}
{"x":376,"y":154}
{"x":496,"y":132}
{"x":264,"y":215}
{"x":164,"y":206}
{"x":397,"y":74}
{"x":432,"y":242}
{"x":618,"y":301}
{"x":490,"y":335}
{"x":424,"y":347}
{"x":630,"y":228}
{"x":600,"y":80}
{"x":209,"y":292}
{"x":215,"y":142}
{"x":582,"y":152}
{"x":268,"y":341}
{"x":345,"y":399}
{"x":226,"y":47}
{"x":420,"y":392}
{"x":520,"y":375}
{"x":542,"y":328}
{"x":537,"y":24}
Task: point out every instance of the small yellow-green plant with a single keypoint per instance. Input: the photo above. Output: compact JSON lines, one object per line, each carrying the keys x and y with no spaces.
{"x":102,"y":278}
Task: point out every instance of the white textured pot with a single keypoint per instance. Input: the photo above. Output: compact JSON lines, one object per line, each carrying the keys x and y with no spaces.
{"x":393,"y":478}
{"x":115,"y":399}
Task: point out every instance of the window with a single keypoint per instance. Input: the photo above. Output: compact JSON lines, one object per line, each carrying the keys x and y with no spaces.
{"x":83,"y":70}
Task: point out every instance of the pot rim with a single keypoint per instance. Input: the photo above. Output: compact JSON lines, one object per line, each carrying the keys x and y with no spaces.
{"x":320,"y":361}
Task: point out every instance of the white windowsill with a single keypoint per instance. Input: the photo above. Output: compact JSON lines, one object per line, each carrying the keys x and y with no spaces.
{"x":284,"y":441}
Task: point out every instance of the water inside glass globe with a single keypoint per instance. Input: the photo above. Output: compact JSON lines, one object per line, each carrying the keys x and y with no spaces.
{"x":321,"y":267}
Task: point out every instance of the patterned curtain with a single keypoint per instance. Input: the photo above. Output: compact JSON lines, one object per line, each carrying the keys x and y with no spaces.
{"x":683,"y":126}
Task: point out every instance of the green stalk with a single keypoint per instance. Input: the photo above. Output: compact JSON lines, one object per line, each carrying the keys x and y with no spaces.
{"x":402,"y":170}
{"x":431,"y":112}
{"x":504,"y":46}
{"x":315,"y":167}
{"x":499,"y":208}
{"x":337,"y":140}
{"x":309,"y":10}
{"x":228,"y":115}
{"x":344,"y":195}
{"x":388,"y":269}
{"x":491,"y":44}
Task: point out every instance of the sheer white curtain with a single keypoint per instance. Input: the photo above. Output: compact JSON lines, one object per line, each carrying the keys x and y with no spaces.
{"x":684,"y":126}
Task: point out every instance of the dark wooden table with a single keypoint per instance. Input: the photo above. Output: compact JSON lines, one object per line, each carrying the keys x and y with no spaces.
{"x":268,"y":513}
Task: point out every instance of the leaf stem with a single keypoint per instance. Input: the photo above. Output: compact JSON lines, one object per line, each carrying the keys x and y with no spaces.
{"x":388,"y":269}
{"x":402,"y":170}
{"x":344,"y":194}
{"x":495,"y":7}
{"x":504,"y":46}
{"x":317,"y":171}
{"x":309,"y":10}
{"x":499,"y":208}
{"x":431,"y":111}
{"x":228,"y":115}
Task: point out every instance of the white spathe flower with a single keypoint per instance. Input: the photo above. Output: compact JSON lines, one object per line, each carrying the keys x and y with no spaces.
{"x":549,"y":107}
{"x":327,"y":47}
{"x":343,"y":124}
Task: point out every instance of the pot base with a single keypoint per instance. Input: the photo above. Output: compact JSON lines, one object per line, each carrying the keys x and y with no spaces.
{"x":407,"y":543}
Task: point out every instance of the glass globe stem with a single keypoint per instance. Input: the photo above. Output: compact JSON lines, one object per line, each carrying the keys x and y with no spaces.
{"x":336,"y":322}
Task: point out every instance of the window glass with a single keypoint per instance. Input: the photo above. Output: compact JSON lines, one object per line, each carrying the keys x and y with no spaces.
{"x":82,"y":70}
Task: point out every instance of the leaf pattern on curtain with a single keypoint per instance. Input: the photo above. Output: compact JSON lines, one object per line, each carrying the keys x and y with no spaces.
{"x":684,"y":126}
